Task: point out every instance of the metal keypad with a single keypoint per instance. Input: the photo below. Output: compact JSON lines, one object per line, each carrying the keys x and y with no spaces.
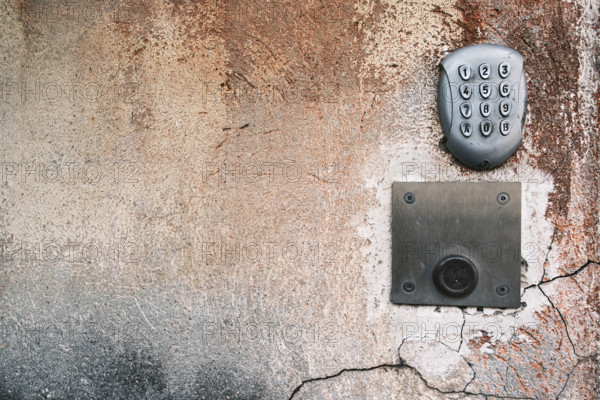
{"x":482,"y":87}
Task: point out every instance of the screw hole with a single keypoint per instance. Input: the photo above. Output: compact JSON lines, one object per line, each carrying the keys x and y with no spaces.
{"x":409,"y":287}
{"x":503,"y":198}
{"x":502,"y":290}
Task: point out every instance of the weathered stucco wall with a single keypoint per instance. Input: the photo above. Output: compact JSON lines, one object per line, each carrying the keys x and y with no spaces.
{"x":196,"y":200}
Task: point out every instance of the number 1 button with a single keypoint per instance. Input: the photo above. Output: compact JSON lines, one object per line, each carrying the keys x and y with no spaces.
{"x":464,"y":72}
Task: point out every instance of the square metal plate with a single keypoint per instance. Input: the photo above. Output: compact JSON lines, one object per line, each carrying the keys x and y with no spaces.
{"x":456,"y":244}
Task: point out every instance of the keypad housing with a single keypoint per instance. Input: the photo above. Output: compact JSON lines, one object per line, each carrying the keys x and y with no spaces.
{"x":482,"y":103}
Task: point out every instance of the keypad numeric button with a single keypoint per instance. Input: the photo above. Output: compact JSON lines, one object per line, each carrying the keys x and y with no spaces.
{"x":486,"y":127}
{"x":505,"y":108}
{"x":486,"y":109}
{"x":465,"y":72}
{"x":465,"y":110}
{"x":504,"y":69}
{"x":484,"y":70}
{"x":504,"y":89}
{"x":485,"y":90}
{"x":465,"y":91}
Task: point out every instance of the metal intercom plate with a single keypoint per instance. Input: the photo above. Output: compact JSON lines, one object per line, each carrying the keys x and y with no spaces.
{"x":456,"y":244}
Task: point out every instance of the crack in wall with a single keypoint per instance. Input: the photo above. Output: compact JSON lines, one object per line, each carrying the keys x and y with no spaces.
{"x":577,"y":271}
{"x":549,"y":246}
{"x":562,"y":318}
{"x":304,"y":382}
{"x":449,"y":348}
{"x":569,"y":275}
{"x":568,"y":377}
{"x":462,"y":328}
{"x":472,"y":379}
{"x":399,"y":366}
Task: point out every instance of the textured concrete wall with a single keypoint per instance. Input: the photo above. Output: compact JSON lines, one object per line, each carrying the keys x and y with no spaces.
{"x":196,"y":200}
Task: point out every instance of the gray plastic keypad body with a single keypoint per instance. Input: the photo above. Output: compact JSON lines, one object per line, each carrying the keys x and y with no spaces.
{"x":482,"y":103}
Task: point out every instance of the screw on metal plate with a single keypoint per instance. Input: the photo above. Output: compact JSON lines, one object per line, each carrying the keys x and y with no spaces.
{"x":502,"y":290}
{"x":409,"y":197}
{"x":503,"y":198}
{"x":409,"y":287}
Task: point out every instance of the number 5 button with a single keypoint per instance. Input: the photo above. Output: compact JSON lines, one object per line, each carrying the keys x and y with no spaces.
{"x":485,"y":90}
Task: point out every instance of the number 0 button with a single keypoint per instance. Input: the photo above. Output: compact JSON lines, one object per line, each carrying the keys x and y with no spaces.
{"x":484,"y":71}
{"x":486,"y":128}
{"x":504,"y":69}
{"x":505,"y":127}
{"x":465,"y":110}
{"x":485,"y":90}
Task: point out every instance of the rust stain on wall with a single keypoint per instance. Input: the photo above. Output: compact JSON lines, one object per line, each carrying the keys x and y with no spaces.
{"x":545,"y":33}
{"x":545,"y":356}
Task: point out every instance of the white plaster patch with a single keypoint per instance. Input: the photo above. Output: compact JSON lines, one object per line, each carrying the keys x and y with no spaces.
{"x":536,"y":230}
{"x":503,"y":326}
{"x":441,"y":367}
